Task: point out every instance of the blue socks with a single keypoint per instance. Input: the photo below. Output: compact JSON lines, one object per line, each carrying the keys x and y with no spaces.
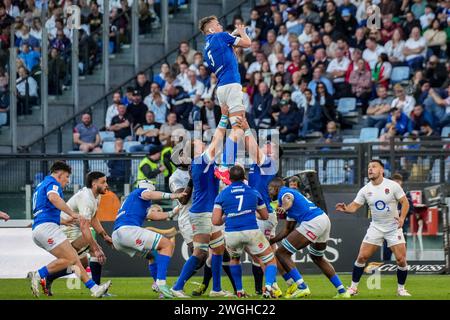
{"x":90,"y":283}
{"x":43,"y":272}
{"x":287,"y":276}
{"x":337,"y":283}
{"x":216,"y":267}
{"x":236,"y":272}
{"x":271,"y":274}
{"x":298,"y":279}
{"x":162,"y":262}
{"x":187,"y":271}
{"x":153,"y":268}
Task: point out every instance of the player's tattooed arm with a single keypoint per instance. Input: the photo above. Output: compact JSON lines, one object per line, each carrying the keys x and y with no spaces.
{"x":60,"y":204}
{"x":404,"y":211}
{"x":288,"y":228}
{"x":348,"y":208}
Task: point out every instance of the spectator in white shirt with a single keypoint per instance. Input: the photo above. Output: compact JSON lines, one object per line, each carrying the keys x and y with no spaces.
{"x":402,"y":101}
{"x":193,"y":87}
{"x":372,"y":51}
{"x":394,"y":48}
{"x":337,"y":70}
{"x":154,"y":88}
{"x":256,"y":66}
{"x":27,"y":93}
{"x":11,"y":9}
{"x":427,"y":17}
{"x":415,"y":50}
{"x":283,"y":36}
{"x":113,"y":110}
{"x":306,"y":35}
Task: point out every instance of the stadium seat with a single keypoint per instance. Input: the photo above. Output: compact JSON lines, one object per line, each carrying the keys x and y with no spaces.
{"x":399,"y":74}
{"x":347,"y":107}
{"x":368,"y":135}
{"x":107,"y":136}
{"x":335,"y":171}
{"x":108,"y":147}
{"x":445,"y":132}
{"x":349,"y":140}
{"x":128,"y":144}
{"x":99,"y":165}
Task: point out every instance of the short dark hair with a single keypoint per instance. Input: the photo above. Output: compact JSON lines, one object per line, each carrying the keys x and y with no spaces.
{"x":294,"y":179}
{"x":60,"y":166}
{"x":377,"y":161}
{"x":92,"y":176}
{"x":397,"y":176}
{"x":237,"y":173}
{"x":203,"y":22}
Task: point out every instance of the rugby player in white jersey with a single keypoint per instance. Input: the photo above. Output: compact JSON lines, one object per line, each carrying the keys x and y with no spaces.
{"x":383,"y":196}
{"x":85,"y":203}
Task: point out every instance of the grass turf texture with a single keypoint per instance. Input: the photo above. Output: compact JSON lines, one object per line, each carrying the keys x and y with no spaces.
{"x":422,"y":287}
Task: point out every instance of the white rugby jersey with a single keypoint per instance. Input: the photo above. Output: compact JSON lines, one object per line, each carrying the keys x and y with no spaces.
{"x":180,"y":179}
{"x":383,"y":203}
{"x":85,"y":204}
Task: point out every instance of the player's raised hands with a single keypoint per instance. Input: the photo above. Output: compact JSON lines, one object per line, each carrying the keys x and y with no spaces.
{"x":240,"y":29}
{"x":341,"y":207}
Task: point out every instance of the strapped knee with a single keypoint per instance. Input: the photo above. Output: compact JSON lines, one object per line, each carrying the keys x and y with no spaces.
{"x":316,"y":253}
{"x":216,"y":242}
{"x":267,"y":258}
{"x":288,"y":246}
{"x":201,"y":246}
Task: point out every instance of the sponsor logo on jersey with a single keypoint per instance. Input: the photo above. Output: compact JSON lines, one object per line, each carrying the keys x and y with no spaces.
{"x":50,"y":241}
{"x":260,"y":245}
{"x":138,"y":242}
{"x":311,"y":235}
{"x":386,"y":191}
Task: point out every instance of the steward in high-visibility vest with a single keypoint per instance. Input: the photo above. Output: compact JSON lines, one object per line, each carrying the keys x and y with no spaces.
{"x":150,"y":167}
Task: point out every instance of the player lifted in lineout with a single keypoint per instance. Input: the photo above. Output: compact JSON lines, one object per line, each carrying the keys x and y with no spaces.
{"x":47,"y":206}
{"x":383,"y":196}
{"x":129,"y":236}
{"x":85,"y":203}
{"x":237,"y":207}
{"x":221,"y":60}
{"x":313,"y":230}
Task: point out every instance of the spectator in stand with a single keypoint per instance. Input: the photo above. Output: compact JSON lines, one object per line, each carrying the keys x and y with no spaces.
{"x":193,"y":87}
{"x":210,"y":114}
{"x":381,"y":73}
{"x":262,"y":108}
{"x":361,"y":83}
{"x":399,"y":120}
{"x":27,"y":92}
{"x":255,"y":25}
{"x":409,"y":23}
{"x":394,"y":48}
{"x":26,"y":37}
{"x":159,"y":107}
{"x":167,"y":128}
{"x":288,"y":121}
{"x":372,"y":52}
{"x":121,"y":124}
{"x":128,"y":97}
{"x":161,"y":77}
{"x":142,"y":84}
{"x":326,"y":102}
{"x":337,"y":70}
{"x":267,"y":48}
{"x":31,"y":58}
{"x":113,"y":110}
{"x":439,"y":106}
{"x":415,"y":49}
{"x":312,"y":119}
{"x":185,"y":51}
{"x":250,"y":57}
{"x":137,"y":109}
{"x":5,"y":19}
{"x":56,"y":72}
{"x":198,"y":61}
{"x":348,"y":23}
{"x":402,"y":101}
{"x":331,"y":134}
{"x":436,"y":38}
{"x":427,"y":132}
{"x":294,"y":183}
{"x":435,"y":72}
{"x":256,"y":66}
{"x":388,"y":29}
{"x":379,"y":109}
{"x":306,"y":35}
{"x":62,"y":44}
{"x":148,"y":134}
{"x":427,"y":18}
{"x":86,"y":137}
{"x":419,"y":117}
{"x":94,"y":19}
{"x":386,"y":137}
{"x":318,"y":77}
{"x":180,"y":104}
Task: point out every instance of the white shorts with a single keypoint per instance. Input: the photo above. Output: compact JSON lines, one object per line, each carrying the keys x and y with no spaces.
{"x":202,"y":223}
{"x":253,"y":240}
{"x":132,"y":240}
{"x":185,"y":227}
{"x":268,"y":227}
{"x":316,"y":230}
{"x":231,"y":95}
{"x":376,"y":237}
{"x":48,"y":236}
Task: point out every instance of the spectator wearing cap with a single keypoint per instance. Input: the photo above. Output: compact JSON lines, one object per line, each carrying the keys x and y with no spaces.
{"x":121,"y":124}
{"x":180,"y":104}
{"x":288,"y":121}
{"x":150,"y":167}
{"x":142,"y":84}
{"x":399,"y":120}
{"x":159,"y":107}
{"x":379,"y":109}
{"x":415,"y":49}
{"x":166,"y":130}
{"x":318,"y":77}
{"x":284,"y":8}
{"x":348,"y":23}
{"x":210,"y":113}
{"x":137,"y":109}
{"x":403,"y":101}
{"x":86,"y":137}
{"x":148,"y":134}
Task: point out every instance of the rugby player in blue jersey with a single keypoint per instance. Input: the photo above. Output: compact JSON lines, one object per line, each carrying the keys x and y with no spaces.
{"x":313,"y":230}
{"x":47,"y":206}
{"x":129,"y":236}
{"x":237,"y":207}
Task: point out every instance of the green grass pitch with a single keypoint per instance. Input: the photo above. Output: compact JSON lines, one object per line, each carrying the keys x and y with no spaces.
{"x":422,"y":287}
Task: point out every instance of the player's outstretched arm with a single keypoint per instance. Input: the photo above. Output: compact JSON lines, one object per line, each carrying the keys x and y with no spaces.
{"x":95,"y":223}
{"x":351,"y":208}
{"x":161,"y":216}
{"x":85,"y":227}
{"x":60,"y":204}
{"x":217,"y":216}
{"x":251,"y":145}
{"x":244,"y":41}
{"x":158,"y":195}
{"x":4,"y":216}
